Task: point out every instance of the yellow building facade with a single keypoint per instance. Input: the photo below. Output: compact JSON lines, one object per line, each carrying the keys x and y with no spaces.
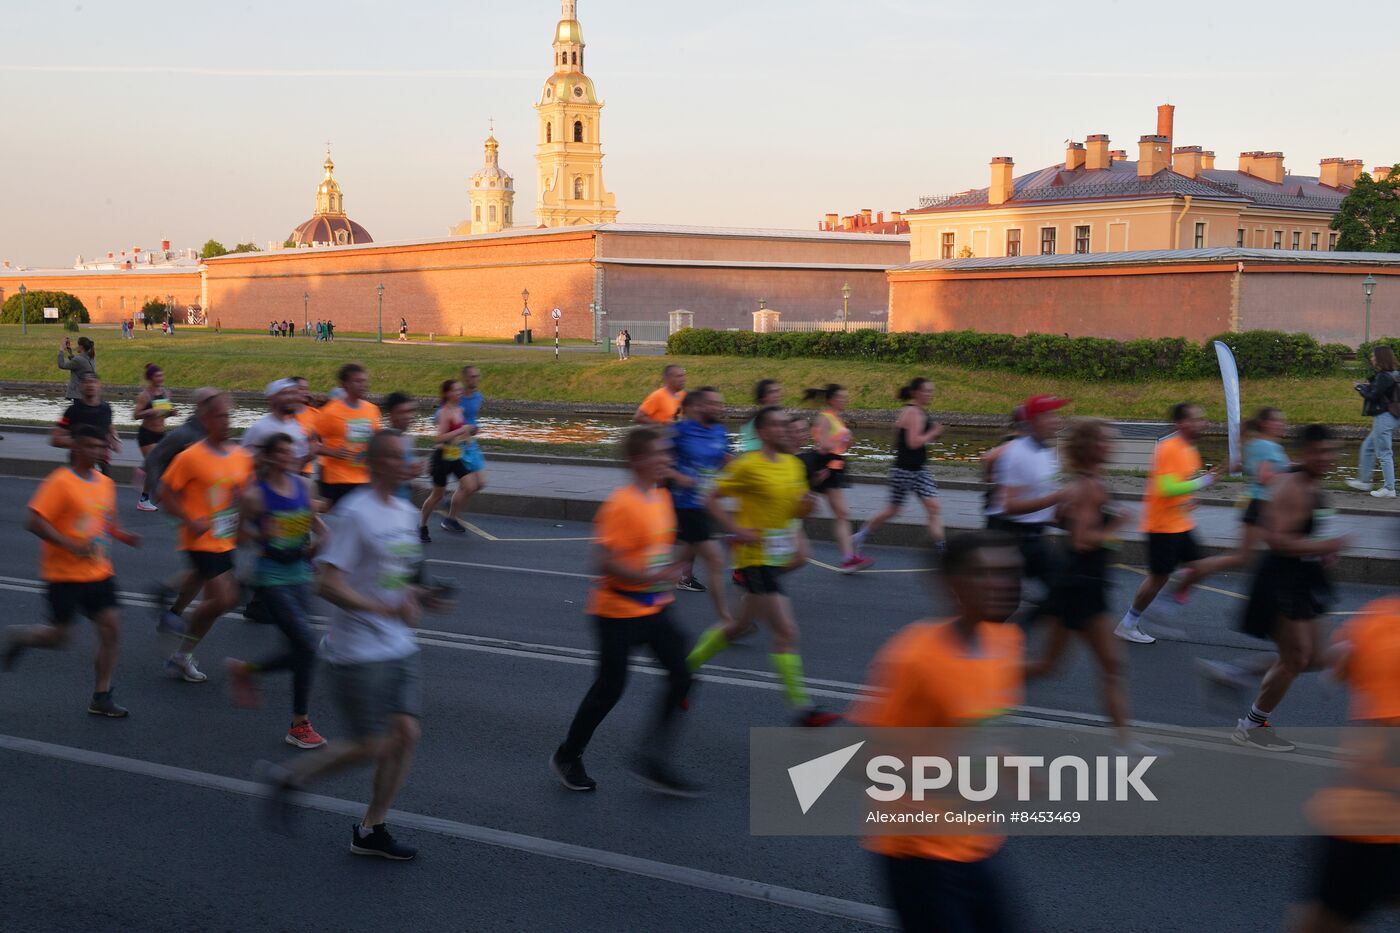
{"x":1100,"y":201}
{"x":569,"y":152}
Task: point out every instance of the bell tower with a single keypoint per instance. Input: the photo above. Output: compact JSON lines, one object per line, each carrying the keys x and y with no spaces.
{"x":491,"y":196}
{"x":569,"y":152}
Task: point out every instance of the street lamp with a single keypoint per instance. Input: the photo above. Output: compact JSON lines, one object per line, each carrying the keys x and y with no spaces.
{"x":846,"y":306}
{"x":23,"y":319}
{"x":305,"y":321}
{"x":525,"y":316}
{"x":381,"y":312}
{"x":170,"y":309}
{"x":1368,"y":285}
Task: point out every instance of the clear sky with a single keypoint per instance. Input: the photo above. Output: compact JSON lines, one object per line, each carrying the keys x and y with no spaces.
{"x":125,"y":122}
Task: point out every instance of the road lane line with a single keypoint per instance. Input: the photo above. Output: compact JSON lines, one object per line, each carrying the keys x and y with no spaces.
{"x":1211,"y":589}
{"x":482,"y":835}
{"x":539,"y":570}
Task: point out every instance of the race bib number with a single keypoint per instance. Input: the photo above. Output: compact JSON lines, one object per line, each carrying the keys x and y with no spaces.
{"x":357,"y":435}
{"x":658,"y":557}
{"x":401,"y":559}
{"x":161,"y":404}
{"x":1325,"y":524}
{"x":225,"y":524}
{"x":779,"y":546}
{"x":451,"y":452}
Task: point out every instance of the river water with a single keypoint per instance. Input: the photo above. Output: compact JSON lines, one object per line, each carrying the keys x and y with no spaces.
{"x":870,"y":444}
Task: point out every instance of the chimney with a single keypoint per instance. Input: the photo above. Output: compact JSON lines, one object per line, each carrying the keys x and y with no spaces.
{"x":1354,"y":168}
{"x":165,"y":246}
{"x":1117,"y":155}
{"x":1153,"y":155}
{"x":1074,"y":156}
{"x":880,"y":217}
{"x":1330,"y":171}
{"x":1247,"y":161}
{"x":1165,"y":114}
{"x":1381,"y":172}
{"x":1267,"y":166}
{"x":865,"y":214}
{"x":832,"y":220}
{"x":1208,"y":161}
{"x":109,"y":254}
{"x":1097,"y":152}
{"x":896,"y":216}
{"x":848,"y":222}
{"x":1186,"y":160}
{"x":1000,"y":191}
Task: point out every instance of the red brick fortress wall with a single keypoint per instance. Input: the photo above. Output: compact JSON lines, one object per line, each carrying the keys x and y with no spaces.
{"x":1330,"y":305}
{"x":112,"y":295}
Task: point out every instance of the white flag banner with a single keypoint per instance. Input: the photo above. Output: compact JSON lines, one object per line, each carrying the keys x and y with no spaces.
{"x":1230,"y":376}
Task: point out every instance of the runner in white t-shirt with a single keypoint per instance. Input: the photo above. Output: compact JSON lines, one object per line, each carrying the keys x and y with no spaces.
{"x":370,"y":573}
{"x":1026,"y":492}
{"x":283,"y":402}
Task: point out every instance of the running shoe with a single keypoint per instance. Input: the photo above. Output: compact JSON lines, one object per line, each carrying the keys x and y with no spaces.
{"x":146,"y":505}
{"x":858,"y":540}
{"x":1136,"y":748}
{"x":1382,"y":493}
{"x":570,"y":773}
{"x":303,"y":735}
{"x":182,"y":667}
{"x":1228,"y":681}
{"x":453,"y":525}
{"x":103,"y":705}
{"x":816,"y":717}
{"x":1264,"y":738}
{"x":423,"y":536}
{"x":663,"y":780}
{"x":279,"y":796}
{"x":242,"y":684}
{"x":13,"y":649}
{"x":1133,"y":633}
{"x":856,"y":562}
{"x":380,"y":843}
{"x":737,"y":578}
{"x":1358,"y":485}
{"x":690,"y":585}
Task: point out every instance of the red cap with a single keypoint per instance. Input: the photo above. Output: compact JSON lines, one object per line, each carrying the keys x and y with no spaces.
{"x":1040,"y":404}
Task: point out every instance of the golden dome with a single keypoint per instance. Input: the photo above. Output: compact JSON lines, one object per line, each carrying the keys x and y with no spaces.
{"x":569,"y":32}
{"x":576,"y":87}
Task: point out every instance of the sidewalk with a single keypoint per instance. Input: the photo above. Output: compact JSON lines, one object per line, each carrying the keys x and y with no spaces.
{"x":563,"y":489}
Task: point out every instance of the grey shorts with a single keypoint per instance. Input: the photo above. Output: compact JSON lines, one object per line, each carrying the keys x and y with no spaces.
{"x":919,"y":482}
{"x":369,"y":693}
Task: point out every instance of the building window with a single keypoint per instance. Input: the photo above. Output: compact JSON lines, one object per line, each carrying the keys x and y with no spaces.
{"x":1081,"y":238}
{"x":1278,"y":239}
{"x":478,"y":212}
{"x":1200,"y":235}
{"x":1312,"y":241}
{"x":1047,"y":241}
{"x":578,"y":188}
{"x":1239,"y":237}
{"x":1013,"y":242}
{"x":505,"y":218}
{"x":549,"y":132}
{"x":1297,"y":239}
{"x":491,"y":213}
{"x":563,"y":58}
{"x":578,"y":131}
{"x":123,"y":303}
{"x":574,"y":57}
{"x":948,"y":242}
{"x":1332,"y":241}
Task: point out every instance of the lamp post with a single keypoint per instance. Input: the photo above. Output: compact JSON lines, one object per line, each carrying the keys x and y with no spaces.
{"x":23,"y":318}
{"x":381,"y":312}
{"x":170,"y":309}
{"x":525,"y":316}
{"x":1368,"y":285}
{"x":305,"y":320}
{"x":846,"y":306}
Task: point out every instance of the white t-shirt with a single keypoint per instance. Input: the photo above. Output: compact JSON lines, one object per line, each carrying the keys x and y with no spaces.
{"x":1030,"y":467}
{"x":269,"y":424}
{"x":375,"y":545}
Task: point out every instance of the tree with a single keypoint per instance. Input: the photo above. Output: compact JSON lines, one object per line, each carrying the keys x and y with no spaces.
{"x":289,"y":244}
{"x":1369,"y":218}
{"x":154,"y":310}
{"x":245,"y":248}
{"x":70,"y":309}
{"x":211,"y":249}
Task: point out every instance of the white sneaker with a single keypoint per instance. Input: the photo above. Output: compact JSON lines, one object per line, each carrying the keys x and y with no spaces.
{"x":1133,"y":634}
{"x":1358,"y":485}
{"x":1382,"y":493}
{"x":146,"y":505}
{"x":182,"y":666}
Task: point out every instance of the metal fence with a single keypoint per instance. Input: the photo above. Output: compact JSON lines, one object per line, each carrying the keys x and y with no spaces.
{"x":829,"y":326}
{"x":646,"y":333}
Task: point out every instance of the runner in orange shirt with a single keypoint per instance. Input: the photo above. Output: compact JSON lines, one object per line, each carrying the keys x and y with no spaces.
{"x":74,"y":514}
{"x":630,"y":604}
{"x":306,"y":417}
{"x":200,"y":489}
{"x":942,"y":674}
{"x":345,"y":427}
{"x":1358,"y":874}
{"x":1172,"y":483}
{"x":664,"y":404}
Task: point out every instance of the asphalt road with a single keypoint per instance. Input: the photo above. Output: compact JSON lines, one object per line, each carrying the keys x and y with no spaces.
{"x":148,"y":823}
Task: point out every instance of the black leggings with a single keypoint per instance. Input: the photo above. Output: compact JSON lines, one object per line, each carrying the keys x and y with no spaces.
{"x":289,"y":608}
{"x":932,"y":895}
{"x":616,"y":638}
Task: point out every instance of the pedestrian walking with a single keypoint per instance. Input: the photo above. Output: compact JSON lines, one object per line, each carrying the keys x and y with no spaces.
{"x":1380,"y":400}
{"x":618,"y":346}
{"x":403,"y":329}
{"x":77,"y":364}
{"x":626,"y":344}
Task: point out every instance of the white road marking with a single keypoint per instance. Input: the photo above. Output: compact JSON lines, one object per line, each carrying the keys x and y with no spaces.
{"x":1211,"y":589}
{"x":482,"y":835}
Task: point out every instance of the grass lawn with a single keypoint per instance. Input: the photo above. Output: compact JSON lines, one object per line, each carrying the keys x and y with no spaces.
{"x":237,"y":361}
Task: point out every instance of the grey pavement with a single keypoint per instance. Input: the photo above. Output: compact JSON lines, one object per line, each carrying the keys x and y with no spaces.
{"x":128,"y":824}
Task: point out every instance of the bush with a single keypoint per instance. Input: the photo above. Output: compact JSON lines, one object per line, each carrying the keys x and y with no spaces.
{"x":69,"y":307}
{"x":1363,"y":352}
{"x":1258,"y":353}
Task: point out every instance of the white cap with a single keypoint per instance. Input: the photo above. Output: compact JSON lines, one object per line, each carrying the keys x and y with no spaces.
{"x":279,"y":385}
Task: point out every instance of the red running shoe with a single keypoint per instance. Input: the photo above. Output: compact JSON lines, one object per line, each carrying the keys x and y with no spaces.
{"x":817,"y":717}
{"x":302,"y":735}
